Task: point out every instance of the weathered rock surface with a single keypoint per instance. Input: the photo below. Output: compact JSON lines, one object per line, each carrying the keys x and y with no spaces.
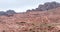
{"x":35,"y":21}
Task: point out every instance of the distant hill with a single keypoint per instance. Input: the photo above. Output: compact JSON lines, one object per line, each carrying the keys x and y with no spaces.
{"x":8,"y":12}
{"x":46,"y":6}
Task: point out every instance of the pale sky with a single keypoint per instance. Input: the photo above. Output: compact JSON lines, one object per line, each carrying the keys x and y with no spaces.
{"x":21,"y":5}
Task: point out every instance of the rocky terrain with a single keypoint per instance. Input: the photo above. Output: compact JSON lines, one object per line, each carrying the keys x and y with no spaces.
{"x":46,"y":18}
{"x":34,"y":21}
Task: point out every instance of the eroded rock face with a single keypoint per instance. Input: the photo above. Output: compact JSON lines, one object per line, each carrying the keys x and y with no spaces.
{"x":35,"y":21}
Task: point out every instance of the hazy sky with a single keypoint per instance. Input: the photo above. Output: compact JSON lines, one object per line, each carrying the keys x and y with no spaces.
{"x":21,"y":5}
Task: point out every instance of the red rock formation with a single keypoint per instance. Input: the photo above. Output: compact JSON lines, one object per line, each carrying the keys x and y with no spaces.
{"x":34,"y":21}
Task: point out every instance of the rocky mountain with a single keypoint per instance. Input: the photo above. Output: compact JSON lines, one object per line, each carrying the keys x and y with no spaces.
{"x":42,"y":7}
{"x":45,"y":18}
{"x":34,"y":21}
{"x":46,"y":6}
